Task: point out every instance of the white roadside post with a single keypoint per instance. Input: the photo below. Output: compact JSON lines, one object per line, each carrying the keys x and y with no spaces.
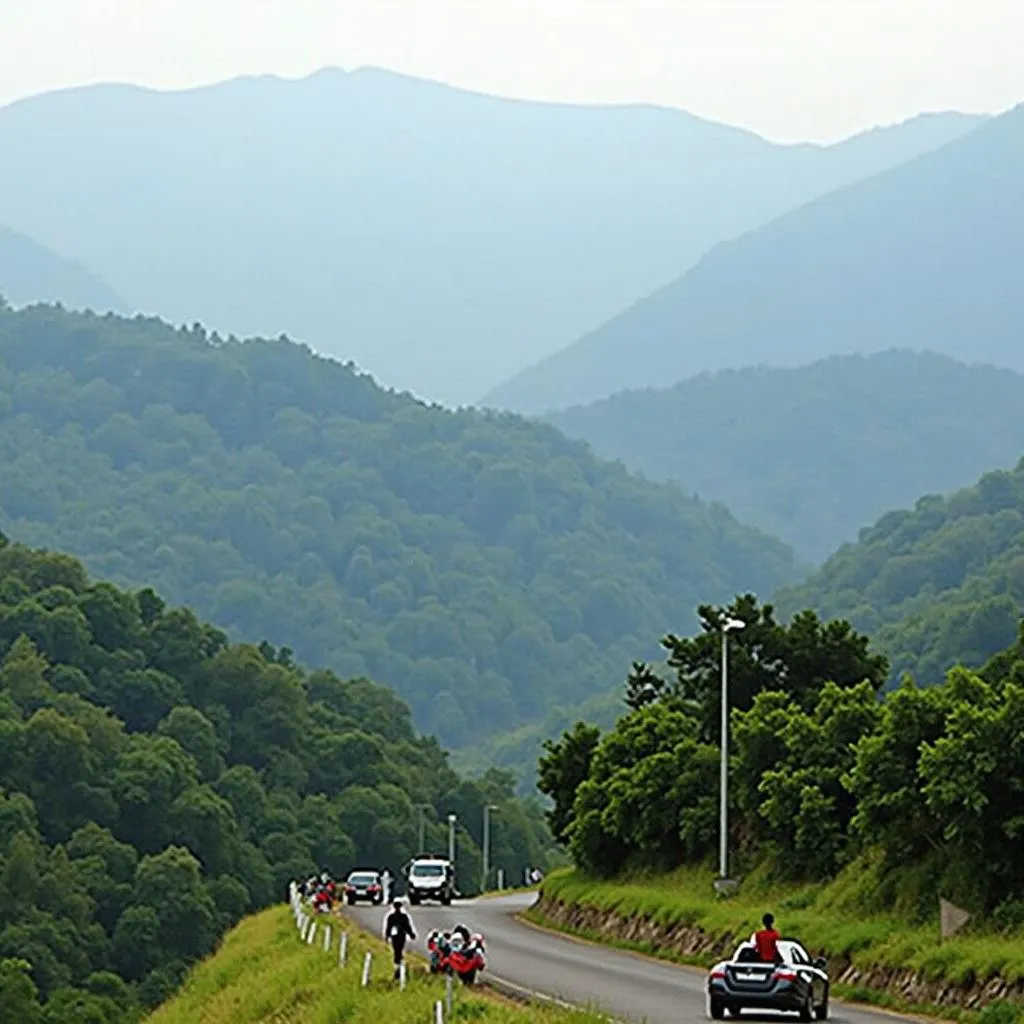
{"x":438,"y":1012}
{"x":728,"y":626}
{"x":366,"y":969}
{"x":327,"y":939}
{"x":401,"y":977}
{"x":448,"y":993}
{"x":312,"y":934}
{"x":343,"y":950}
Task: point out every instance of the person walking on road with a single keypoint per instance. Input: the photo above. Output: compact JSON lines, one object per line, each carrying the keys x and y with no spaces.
{"x":398,"y":930}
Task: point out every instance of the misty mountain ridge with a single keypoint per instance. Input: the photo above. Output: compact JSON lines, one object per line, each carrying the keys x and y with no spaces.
{"x":31,"y":273}
{"x":812,"y":455}
{"x":925,"y":255}
{"x":439,"y":238}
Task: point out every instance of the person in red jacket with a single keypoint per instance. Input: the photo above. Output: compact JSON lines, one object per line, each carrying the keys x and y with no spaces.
{"x":767,"y":941}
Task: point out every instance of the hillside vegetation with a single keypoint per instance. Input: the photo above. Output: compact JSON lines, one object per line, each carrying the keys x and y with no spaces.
{"x":158,"y":782}
{"x":264,"y":974}
{"x":814,"y":454}
{"x":937,"y":584}
{"x":924,"y":255}
{"x":30,"y":273}
{"x":828,"y":918}
{"x":927,"y":782}
{"x":484,"y":566}
{"x":443,"y":240}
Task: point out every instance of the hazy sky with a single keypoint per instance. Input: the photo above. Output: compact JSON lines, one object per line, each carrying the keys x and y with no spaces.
{"x":790,"y":69}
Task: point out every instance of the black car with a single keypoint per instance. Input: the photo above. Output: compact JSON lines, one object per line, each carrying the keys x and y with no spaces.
{"x":364,"y":885}
{"x":796,"y":985}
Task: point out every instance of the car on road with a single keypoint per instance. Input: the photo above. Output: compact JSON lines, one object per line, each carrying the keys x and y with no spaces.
{"x":798,"y":984}
{"x":364,"y":885}
{"x":430,"y":878}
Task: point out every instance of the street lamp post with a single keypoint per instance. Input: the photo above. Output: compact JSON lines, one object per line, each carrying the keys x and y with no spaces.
{"x":723,"y":839}
{"x":487,"y":845}
{"x":451,"y":839}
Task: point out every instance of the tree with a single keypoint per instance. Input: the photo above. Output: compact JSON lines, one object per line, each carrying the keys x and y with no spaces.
{"x":18,"y":993}
{"x":561,"y":772}
{"x":797,"y":659}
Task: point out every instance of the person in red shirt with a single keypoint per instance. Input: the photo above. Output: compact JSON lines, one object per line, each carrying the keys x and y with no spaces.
{"x":767,"y":941}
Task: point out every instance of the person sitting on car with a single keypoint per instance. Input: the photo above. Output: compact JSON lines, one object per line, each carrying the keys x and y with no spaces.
{"x":767,"y":941}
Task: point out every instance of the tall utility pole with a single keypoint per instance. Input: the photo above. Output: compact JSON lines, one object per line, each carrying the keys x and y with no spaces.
{"x":423,"y":827}
{"x":487,"y":845}
{"x":723,"y":838}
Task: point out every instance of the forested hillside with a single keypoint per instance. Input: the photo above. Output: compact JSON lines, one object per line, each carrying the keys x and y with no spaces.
{"x":926,"y":785}
{"x":157,"y":782}
{"x":814,"y":454}
{"x":484,"y":566}
{"x":924,"y":255}
{"x":441,"y":239}
{"x":29,"y":272}
{"x":937,"y":584}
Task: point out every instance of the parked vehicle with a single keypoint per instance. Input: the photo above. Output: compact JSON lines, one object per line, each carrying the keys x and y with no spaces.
{"x":430,"y":878}
{"x":364,"y":885}
{"x":457,"y":953}
{"x":797,"y":984}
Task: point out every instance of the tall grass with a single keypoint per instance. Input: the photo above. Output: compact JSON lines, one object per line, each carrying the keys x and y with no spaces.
{"x":264,"y":974}
{"x":841,"y":919}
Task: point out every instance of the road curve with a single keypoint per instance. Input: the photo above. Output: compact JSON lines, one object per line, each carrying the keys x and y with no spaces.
{"x":622,"y":985}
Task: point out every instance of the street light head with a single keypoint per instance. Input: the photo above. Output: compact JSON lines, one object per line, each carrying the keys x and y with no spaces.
{"x":451,"y":819}
{"x":730,"y":624}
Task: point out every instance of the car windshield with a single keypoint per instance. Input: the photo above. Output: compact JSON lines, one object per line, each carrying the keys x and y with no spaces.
{"x":428,"y":870}
{"x":362,"y":879}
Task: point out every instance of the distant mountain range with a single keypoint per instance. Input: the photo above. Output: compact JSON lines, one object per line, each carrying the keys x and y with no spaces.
{"x":927,"y":255}
{"x":442,"y":240}
{"x":814,"y":454}
{"x":30,"y":273}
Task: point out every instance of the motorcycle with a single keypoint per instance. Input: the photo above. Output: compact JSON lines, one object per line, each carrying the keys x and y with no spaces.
{"x":466,"y":960}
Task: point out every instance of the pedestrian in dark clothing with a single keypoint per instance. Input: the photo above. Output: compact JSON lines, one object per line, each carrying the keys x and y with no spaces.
{"x":398,"y":930}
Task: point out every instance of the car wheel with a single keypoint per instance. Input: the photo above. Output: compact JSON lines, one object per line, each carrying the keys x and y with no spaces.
{"x":446,"y":900}
{"x":716,"y":1008}
{"x":821,"y":1011}
{"x":414,"y":899}
{"x":351,"y":901}
{"x":807,"y":1010}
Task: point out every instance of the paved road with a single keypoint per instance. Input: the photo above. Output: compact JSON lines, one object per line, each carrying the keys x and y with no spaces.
{"x":621,"y":985}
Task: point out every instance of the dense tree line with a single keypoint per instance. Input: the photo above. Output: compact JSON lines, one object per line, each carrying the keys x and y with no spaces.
{"x":158,"y":782}
{"x":485,"y":566}
{"x":813,"y":454}
{"x":925,"y":783}
{"x":936,"y":585}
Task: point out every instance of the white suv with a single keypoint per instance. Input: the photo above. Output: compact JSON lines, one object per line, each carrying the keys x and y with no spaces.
{"x":430,"y":879}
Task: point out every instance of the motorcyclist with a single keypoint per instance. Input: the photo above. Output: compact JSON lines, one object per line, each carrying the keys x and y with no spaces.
{"x":398,"y":930}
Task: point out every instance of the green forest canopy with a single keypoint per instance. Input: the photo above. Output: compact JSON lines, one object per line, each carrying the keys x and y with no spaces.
{"x":158,"y":782}
{"x":814,"y":454}
{"x":926,"y":784}
{"x":936,"y":585}
{"x":484,"y":566}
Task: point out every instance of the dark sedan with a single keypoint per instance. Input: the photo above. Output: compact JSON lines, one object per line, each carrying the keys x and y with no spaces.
{"x":796,"y":985}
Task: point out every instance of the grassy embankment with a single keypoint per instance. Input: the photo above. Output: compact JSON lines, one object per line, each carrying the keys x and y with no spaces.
{"x":840,"y":919}
{"x":264,"y":974}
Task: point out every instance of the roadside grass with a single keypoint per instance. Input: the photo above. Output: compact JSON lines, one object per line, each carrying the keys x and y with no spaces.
{"x":840,"y":919}
{"x":264,"y":974}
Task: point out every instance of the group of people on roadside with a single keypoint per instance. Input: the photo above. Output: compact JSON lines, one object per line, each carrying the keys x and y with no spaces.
{"x":321,"y":890}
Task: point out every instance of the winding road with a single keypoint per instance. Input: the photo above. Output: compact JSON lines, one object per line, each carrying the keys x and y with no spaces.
{"x":619,"y":984}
